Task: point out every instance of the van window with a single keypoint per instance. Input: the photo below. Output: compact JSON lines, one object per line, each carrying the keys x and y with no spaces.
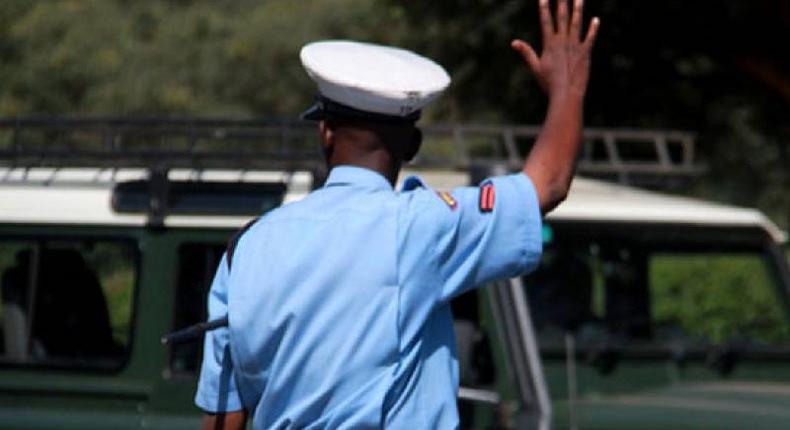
{"x":66,"y":302}
{"x":634,"y":298}
{"x":473,"y":342}
{"x":718,"y":297}
{"x":197,"y":263}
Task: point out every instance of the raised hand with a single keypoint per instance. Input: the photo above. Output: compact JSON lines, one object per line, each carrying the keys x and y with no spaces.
{"x":563,"y":68}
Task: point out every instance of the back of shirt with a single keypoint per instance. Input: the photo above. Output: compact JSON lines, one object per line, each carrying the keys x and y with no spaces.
{"x":314,"y":327}
{"x":338,"y":304}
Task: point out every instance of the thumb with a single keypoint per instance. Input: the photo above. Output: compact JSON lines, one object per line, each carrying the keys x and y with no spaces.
{"x":526,"y":51}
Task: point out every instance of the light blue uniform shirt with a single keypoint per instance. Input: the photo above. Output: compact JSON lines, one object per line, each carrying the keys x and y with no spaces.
{"x":338,"y":304}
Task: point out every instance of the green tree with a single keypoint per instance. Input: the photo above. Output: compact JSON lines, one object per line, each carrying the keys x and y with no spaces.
{"x":717,"y":68}
{"x":721,"y":298}
{"x":720,"y":69}
{"x":188,"y":57}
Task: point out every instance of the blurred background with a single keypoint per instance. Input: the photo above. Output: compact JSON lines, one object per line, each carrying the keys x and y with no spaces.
{"x":642,"y":320}
{"x":718,"y":69}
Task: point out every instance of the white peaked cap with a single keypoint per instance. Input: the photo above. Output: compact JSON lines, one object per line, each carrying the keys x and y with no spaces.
{"x":373,"y":78}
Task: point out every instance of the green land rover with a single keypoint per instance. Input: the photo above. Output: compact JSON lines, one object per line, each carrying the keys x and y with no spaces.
{"x":648,"y":312}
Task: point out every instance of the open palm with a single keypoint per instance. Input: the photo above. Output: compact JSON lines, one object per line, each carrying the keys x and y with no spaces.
{"x":564,"y":64}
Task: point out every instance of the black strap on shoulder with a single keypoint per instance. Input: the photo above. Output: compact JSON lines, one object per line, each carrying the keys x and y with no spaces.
{"x":234,"y":240}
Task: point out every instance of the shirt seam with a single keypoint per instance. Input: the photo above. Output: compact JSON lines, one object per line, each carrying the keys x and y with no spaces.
{"x":437,"y":295}
{"x":387,"y":403}
{"x":444,"y":276}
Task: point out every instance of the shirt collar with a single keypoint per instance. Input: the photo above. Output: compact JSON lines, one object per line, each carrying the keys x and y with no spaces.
{"x":357,"y":176}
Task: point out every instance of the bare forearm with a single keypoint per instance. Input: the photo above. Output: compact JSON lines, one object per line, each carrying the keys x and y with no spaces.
{"x":551,"y":162}
{"x":562,"y":70}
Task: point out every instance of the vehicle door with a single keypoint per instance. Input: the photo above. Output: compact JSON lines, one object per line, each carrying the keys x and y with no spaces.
{"x":67,"y":314}
{"x":651,"y":326}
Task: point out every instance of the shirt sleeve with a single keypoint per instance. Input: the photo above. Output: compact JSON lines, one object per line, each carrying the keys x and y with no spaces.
{"x":485,"y":233}
{"x":217,"y":390}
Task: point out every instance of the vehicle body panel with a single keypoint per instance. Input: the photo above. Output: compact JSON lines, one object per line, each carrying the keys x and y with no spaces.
{"x":643,"y":392}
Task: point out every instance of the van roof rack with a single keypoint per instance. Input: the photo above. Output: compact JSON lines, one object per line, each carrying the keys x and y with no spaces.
{"x":637,"y":157}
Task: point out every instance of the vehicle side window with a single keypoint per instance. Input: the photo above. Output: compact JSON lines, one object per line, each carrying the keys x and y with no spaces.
{"x":567,"y":293}
{"x":475,"y":359}
{"x":629,"y":298}
{"x":717,"y":298}
{"x":479,"y":396}
{"x":197,"y":263}
{"x":66,"y":303}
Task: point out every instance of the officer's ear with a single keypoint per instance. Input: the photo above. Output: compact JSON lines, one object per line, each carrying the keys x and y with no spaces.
{"x":414,"y":145}
{"x":327,"y":136}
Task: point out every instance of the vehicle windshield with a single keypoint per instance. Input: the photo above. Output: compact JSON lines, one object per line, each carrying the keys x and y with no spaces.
{"x":649,"y":296}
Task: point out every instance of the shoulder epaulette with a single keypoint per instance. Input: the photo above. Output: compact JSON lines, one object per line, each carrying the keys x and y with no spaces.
{"x":487,"y":196}
{"x":412,"y":183}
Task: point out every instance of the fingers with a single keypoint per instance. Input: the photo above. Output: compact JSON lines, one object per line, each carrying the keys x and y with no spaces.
{"x":592,"y":32}
{"x":526,"y":51}
{"x":562,"y":17}
{"x":576,"y":20}
{"x":546,"y":23}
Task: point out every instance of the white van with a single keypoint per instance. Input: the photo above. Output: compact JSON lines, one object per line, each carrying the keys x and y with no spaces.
{"x":648,"y":311}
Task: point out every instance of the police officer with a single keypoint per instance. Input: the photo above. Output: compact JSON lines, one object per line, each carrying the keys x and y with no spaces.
{"x":338,"y":305}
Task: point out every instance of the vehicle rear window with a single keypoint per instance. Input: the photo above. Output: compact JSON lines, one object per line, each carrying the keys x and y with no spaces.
{"x":66,"y":302}
{"x":209,"y":198}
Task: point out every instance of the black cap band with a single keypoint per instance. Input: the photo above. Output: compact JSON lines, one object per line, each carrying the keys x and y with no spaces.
{"x":324,"y":108}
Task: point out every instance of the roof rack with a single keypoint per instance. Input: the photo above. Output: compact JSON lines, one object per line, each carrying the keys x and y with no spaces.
{"x":629,"y":156}
{"x":637,"y":157}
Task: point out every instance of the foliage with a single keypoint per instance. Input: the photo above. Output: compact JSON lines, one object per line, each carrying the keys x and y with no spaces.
{"x":719,"y":298}
{"x":114,"y":264}
{"x":118,"y":289}
{"x":717,"y":68}
{"x":121,"y":57}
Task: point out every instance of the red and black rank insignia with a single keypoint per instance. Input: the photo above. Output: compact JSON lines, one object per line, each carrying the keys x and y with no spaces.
{"x":487,"y":197}
{"x":448,"y":199}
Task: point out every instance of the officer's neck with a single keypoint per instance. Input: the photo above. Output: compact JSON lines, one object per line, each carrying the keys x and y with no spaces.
{"x":380,"y":161}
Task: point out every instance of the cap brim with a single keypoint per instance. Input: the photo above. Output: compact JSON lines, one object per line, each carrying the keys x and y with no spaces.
{"x":324,"y":107}
{"x":313,"y":113}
